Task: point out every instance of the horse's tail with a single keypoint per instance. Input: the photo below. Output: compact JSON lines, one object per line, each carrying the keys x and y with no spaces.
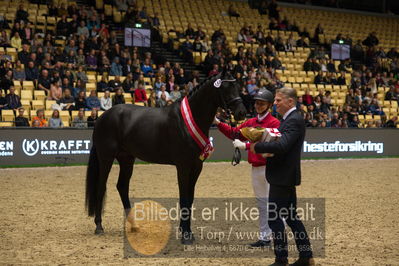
{"x":92,"y":182}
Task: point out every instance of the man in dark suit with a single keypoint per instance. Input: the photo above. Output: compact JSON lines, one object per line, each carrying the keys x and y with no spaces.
{"x":283,"y":172}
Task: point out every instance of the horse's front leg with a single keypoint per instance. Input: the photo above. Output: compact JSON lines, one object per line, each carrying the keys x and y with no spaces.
{"x":187,"y":177}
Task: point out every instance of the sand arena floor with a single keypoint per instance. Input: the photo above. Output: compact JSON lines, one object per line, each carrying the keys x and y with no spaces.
{"x":42,"y":218}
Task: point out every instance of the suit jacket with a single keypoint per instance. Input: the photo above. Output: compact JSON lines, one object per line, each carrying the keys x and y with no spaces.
{"x":284,"y":169}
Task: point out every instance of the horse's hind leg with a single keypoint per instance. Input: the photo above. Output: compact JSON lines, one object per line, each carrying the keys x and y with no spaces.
{"x":126,"y":163}
{"x":105,"y":167}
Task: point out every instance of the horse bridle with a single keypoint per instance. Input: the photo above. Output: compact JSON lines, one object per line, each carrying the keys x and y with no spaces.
{"x":237,"y":154}
{"x":231,"y":102}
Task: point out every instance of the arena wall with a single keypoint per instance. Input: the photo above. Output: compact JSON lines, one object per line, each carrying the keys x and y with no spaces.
{"x":27,"y":147}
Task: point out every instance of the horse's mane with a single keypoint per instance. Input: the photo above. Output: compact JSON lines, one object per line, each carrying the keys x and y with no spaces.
{"x":196,"y":88}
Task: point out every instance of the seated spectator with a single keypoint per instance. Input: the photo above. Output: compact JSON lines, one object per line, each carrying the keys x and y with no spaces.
{"x":36,"y":123}
{"x":16,"y":41}
{"x":354,"y":123}
{"x":302,"y":42}
{"x":391,"y":123}
{"x":70,"y":58}
{"x":143,"y":14}
{"x":91,"y":120}
{"x":19,"y":72}
{"x":21,"y":120}
{"x":315,"y":65}
{"x":319,"y":79}
{"x":197,"y":45}
{"x":80,"y":101}
{"x":305,"y":33}
{"x":375,"y":108}
{"x":80,"y":120}
{"x":80,"y":86}
{"x":307,"y":99}
{"x":241,"y":37}
{"x":118,"y":98}
{"x":252,"y":87}
{"x":104,"y":63}
{"x":66,"y":84}
{"x":106,"y":101}
{"x":62,"y":10}
{"x":128,"y":84}
{"x":214,"y":71}
{"x":3,"y":101}
{"x":290,"y":43}
{"x":331,"y":66}
{"x":163,"y":97}
{"x":83,"y":30}
{"x":102,"y":85}
{"x":114,"y":84}
{"x":91,"y":60}
{"x":62,"y":26}
{"x":31,"y":72}
{"x":279,"y":45}
{"x":67,"y":102}
{"x":341,"y":79}
{"x":80,"y":74}
{"x":55,"y":120}
{"x":344,"y":66}
{"x":370,"y":124}
{"x":181,"y":78}
{"x":92,"y":102}
{"x":392,"y":94}
{"x":171,"y":84}
{"x":13,"y":100}
{"x":127,"y":67}
{"x":199,"y":33}
{"x":189,"y":31}
{"x":55,"y":91}
{"x":232,"y":12}
{"x":152,"y":99}
{"x":175,"y":95}
{"x":186,"y":49}
{"x":7,"y":81}
{"x":44,"y":82}
{"x":147,"y":69}
{"x":40,"y":118}
{"x":308,"y":65}
{"x":116,"y":68}
{"x":21,"y":14}
{"x":140,"y":94}
{"x":276,"y":63}
{"x":371,"y":40}
{"x":157,"y":84}
{"x":317,"y":32}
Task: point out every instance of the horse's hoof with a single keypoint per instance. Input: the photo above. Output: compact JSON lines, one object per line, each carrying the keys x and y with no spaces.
{"x":134,"y":229}
{"x":187,"y":238}
{"x":99,"y":231}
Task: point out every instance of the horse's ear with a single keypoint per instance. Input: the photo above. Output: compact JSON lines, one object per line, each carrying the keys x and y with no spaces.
{"x":223,"y":73}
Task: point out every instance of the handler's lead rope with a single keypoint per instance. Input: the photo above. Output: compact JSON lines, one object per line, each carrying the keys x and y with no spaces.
{"x":236,"y":157}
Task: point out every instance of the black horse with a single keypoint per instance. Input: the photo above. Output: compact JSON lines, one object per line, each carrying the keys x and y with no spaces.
{"x":156,"y":135}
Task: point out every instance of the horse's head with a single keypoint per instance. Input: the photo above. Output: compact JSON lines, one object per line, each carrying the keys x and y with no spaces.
{"x":229,"y":98}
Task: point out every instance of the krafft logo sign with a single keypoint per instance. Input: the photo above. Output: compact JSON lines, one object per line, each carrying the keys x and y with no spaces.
{"x":54,"y":147}
{"x":6,"y":148}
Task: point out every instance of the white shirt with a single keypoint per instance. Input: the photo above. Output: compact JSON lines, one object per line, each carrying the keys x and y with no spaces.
{"x":159,"y":94}
{"x":106,"y":103}
{"x":288,"y":112}
{"x":260,"y":118}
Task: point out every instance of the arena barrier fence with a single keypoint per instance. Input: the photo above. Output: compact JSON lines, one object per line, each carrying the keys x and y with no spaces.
{"x":30,"y":147}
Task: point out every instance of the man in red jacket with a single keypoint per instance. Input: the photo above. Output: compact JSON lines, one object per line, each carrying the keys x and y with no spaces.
{"x":263,"y":102}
